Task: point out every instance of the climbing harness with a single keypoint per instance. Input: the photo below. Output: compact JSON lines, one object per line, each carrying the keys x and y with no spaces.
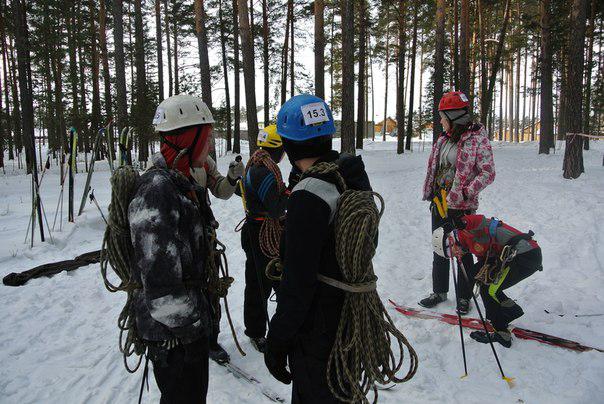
{"x":271,"y":229}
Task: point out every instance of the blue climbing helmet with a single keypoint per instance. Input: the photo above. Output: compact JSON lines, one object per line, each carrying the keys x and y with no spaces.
{"x":304,"y":117}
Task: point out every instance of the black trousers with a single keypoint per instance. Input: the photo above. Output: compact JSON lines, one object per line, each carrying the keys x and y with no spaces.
{"x":308,"y":365}
{"x":257,"y":286}
{"x":520,"y":268}
{"x":182,"y":373}
{"x":440,"y":265}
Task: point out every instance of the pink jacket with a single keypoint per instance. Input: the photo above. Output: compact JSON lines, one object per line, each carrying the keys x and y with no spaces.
{"x":474,"y":169}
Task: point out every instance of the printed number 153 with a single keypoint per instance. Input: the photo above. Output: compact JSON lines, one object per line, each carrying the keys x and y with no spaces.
{"x":315,"y":113}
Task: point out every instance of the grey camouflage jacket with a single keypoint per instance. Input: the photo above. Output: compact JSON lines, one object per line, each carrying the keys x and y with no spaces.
{"x":168,"y":235}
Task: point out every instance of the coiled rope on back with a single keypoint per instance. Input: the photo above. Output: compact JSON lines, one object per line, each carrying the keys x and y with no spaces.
{"x":271,"y":229}
{"x":117,"y":252}
{"x":362,"y":354}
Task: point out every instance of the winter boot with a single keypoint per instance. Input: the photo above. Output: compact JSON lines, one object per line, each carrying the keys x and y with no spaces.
{"x":503,"y":337}
{"x":218,"y":354}
{"x":463,"y":306}
{"x":433,"y":300}
{"x":259,"y":344}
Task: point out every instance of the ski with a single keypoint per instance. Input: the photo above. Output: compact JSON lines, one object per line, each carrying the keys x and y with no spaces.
{"x":243,"y":375}
{"x":475,"y":324}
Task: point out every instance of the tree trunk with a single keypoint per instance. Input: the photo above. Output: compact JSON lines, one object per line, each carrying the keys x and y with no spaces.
{"x":237,"y":112}
{"x":517,"y":116}
{"x":464,"y":54}
{"x":361,"y":84}
{"x":501,"y":89}
{"x":141,"y":83}
{"x":420,"y":120}
{"x":455,"y":45}
{"x":204,"y":61}
{"x":248,"y":75}
{"x":176,"y":72}
{"x":225,"y":72}
{"x":400,"y":93}
{"x":18,"y":132}
{"x":573,"y":155}
{"x":439,"y":60}
{"x":485,"y":103}
{"x":26,"y":91}
{"x":120,"y":65}
{"x":285,"y":53}
{"x":386,"y":63}
{"x":347,"y":127}
{"x":412,"y":79}
{"x":510,"y":96}
{"x":534,"y":67}
{"x":96,"y":97}
{"x":5,"y":88}
{"x":73,"y":71}
{"x":331,"y":70}
{"x":320,"y":48}
{"x":84,"y":132}
{"x":588,"y":67}
{"x":265,"y":56}
{"x":105,"y":57}
{"x":561,"y":113}
{"x":292,"y":69}
{"x":160,"y":59}
{"x":168,"y":48}
{"x":524,"y":93}
{"x":546,"y":117}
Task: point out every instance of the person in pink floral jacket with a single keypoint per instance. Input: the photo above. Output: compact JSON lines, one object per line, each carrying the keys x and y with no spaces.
{"x":461,"y":162}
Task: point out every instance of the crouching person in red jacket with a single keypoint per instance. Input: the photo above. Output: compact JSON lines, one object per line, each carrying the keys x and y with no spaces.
{"x":505,"y":256}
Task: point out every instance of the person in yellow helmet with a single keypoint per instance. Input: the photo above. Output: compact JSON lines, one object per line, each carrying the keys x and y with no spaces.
{"x":265,"y":197}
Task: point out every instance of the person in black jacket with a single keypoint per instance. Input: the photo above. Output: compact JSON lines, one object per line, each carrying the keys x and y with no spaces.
{"x":265,"y":196}
{"x":308,"y":312}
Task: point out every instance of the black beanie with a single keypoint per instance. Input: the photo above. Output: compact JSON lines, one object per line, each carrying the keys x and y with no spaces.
{"x":315,"y":147}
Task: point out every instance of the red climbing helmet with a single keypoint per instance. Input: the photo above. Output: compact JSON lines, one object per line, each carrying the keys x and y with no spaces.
{"x":453,"y":100}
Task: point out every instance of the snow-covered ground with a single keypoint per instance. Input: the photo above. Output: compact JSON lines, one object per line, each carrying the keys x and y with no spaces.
{"x":58,"y":340}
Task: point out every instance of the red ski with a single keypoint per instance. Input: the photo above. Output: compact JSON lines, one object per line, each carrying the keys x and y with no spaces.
{"x":476,"y":324}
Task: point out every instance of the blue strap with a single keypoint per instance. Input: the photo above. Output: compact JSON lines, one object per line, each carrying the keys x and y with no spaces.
{"x":493,"y":227}
{"x":265,"y":186}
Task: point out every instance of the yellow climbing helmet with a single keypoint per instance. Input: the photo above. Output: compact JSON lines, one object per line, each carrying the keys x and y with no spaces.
{"x":268,"y":138}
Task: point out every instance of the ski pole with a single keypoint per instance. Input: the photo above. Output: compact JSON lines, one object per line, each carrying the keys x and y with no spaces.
{"x":463,"y":346}
{"x":93,"y":200}
{"x":509,"y":380}
{"x":443,"y":211}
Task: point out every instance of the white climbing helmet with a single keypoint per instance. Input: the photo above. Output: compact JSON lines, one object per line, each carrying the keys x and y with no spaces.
{"x":440,"y":242}
{"x":180,"y":111}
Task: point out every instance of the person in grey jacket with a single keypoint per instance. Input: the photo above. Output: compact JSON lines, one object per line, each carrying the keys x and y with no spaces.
{"x":170,"y":222}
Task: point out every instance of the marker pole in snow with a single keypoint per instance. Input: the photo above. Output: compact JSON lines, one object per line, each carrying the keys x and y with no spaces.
{"x":93,"y":200}
{"x":73,"y":142}
{"x":509,"y":380}
{"x":109,"y":138}
{"x":60,"y":200}
{"x":97,"y":145}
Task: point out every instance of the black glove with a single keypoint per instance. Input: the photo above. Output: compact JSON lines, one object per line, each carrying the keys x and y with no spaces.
{"x":275,"y":359}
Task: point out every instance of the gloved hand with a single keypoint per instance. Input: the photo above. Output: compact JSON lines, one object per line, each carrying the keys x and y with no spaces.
{"x":275,"y":359}
{"x":236,"y":169}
